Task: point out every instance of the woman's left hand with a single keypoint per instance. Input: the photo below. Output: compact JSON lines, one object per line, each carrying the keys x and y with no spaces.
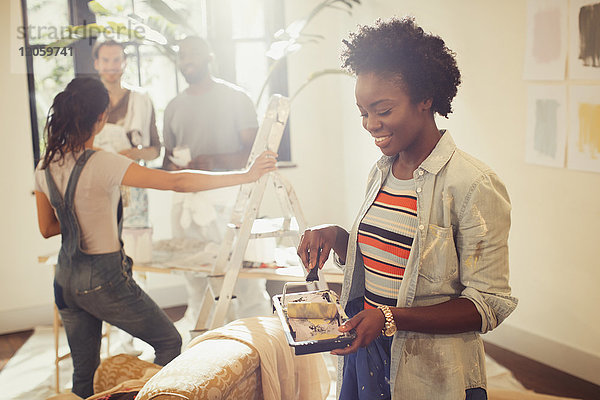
{"x":367,"y":324}
{"x":265,"y":162}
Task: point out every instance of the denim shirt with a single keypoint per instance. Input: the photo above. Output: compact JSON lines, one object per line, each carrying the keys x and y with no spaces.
{"x":460,"y":250}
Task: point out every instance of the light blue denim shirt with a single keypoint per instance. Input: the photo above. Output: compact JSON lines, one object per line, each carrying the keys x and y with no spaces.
{"x":460,"y":250}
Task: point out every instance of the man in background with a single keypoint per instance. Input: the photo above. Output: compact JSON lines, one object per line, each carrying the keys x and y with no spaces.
{"x":130,"y":107}
{"x":131,"y":126}
{"x":213,"y":118}
{"x":211,"y":125}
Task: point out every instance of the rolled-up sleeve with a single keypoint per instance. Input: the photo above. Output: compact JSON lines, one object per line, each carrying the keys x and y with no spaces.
{"x":482,"y":244}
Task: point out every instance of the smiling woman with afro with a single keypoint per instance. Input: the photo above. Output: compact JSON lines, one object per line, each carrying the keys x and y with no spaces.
{"x":426,"y":260}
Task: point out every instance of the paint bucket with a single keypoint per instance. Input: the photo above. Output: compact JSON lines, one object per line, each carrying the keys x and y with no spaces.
{"x":138,"y":244}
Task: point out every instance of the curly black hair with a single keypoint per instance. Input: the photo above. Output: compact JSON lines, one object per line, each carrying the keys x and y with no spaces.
{"x":399,"y":47}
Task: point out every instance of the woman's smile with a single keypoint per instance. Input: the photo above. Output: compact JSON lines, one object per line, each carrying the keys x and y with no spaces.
{"x":383,"y":141}
{"x":397,"y":124}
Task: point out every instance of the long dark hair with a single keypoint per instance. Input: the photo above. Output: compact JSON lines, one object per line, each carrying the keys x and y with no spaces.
{"x":72,"y":117}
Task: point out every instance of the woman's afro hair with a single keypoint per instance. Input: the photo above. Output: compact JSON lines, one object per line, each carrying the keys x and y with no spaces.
{"x":398,"y":47}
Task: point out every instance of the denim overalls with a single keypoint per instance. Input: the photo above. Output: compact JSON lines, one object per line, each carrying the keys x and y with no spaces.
{"x":91,"y":288}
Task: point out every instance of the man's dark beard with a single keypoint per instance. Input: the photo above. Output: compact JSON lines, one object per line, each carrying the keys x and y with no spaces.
{"x":196,"y":75}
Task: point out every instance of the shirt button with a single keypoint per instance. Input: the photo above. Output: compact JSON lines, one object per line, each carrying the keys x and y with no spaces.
{"x":419,"y":190}
{"x":421,"y":172}
{"x":421,"y":227}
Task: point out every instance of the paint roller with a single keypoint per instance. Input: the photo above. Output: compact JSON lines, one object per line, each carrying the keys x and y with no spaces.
{"x":304,"y":309}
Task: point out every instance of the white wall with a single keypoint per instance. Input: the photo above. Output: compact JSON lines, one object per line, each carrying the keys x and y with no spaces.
{"x":24,"y":283}
{"x":554,"y":263}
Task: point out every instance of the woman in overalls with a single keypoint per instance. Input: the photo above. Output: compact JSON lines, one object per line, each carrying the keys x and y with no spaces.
{"x":77,"y":195}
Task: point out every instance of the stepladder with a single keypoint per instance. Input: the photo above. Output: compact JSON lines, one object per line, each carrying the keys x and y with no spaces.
{"x":289,"y":225}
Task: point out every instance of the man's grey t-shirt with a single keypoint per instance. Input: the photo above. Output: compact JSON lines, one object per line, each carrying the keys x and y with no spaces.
{"x":209,"y":123}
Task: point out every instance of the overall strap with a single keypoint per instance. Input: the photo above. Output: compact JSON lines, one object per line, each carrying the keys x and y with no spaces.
{"x":65,"y":210}
{"x":55,"y":197}
{"x":74,"y":178}
{"x":120,"y":218}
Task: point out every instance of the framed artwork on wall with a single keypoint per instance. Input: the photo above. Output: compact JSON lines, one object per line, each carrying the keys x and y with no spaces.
{"x":584,"y":128}
{"x":546,"y":40}
{"x":546,"y":136}
{"x":584,"y":49}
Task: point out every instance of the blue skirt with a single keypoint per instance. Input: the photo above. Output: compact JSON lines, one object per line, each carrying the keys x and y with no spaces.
{"x":366,"y":374}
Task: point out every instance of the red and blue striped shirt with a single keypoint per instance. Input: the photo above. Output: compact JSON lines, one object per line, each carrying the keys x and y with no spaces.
{"x":385,"y":237}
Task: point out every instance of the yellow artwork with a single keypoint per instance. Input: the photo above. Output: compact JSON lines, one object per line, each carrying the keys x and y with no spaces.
{"x":589,"y":129}
{"x":584,"y":128}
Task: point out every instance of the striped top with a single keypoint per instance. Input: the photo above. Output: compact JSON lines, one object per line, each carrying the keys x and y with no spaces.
{"x":385,"y":237}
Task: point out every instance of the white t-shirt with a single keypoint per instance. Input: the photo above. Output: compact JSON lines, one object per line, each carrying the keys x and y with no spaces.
{"x":96,"y":196}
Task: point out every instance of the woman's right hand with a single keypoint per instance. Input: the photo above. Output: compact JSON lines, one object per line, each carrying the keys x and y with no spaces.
{"x":266,"y":162}
{"x":317,"y":242}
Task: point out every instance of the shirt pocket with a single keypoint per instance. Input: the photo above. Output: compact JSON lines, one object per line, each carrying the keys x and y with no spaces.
{"x":439,"y":261}
{"x":432,"y":368}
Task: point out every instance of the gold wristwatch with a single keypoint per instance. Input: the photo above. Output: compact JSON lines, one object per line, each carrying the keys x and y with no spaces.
{"x":390,"y":326}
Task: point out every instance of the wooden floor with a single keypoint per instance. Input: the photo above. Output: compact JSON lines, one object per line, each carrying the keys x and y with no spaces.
{"x":533,"y":375}
{"x":541,"y":378}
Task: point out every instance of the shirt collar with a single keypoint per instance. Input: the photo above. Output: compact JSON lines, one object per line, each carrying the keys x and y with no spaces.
{"x":435,"y":161}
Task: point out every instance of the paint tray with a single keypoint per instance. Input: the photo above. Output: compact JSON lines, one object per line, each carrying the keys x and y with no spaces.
{"x":312,"y":335}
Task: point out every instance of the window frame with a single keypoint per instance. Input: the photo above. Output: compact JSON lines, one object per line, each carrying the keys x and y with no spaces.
{"x":219,"y":28}
{"x":83,"y":64}
{"x":219,"y":35}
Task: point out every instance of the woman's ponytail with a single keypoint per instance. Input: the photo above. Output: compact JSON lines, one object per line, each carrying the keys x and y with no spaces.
{"x":72,"y":117}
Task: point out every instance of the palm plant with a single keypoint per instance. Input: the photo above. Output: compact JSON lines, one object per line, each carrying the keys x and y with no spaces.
{"x":167,"y":25}
{"x":293,"y":38}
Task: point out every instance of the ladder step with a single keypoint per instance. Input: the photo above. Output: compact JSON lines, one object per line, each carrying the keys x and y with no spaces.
{"x":267,"y":225}
{"x":233,"y":296}
{"x":280,"y":233}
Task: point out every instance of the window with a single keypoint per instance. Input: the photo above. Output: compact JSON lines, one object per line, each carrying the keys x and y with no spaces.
{"x":240,"y":31}
{"x":51,"y":73}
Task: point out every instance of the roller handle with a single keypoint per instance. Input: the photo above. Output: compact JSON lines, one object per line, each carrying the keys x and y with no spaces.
{"x":313,"y":274}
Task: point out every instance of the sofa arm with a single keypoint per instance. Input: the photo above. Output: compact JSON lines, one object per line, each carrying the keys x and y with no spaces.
{"x":122,"y":368}
{"x":212,"y":369}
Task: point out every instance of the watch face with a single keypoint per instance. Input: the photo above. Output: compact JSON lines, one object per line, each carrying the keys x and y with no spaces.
{"x":390,"y":329}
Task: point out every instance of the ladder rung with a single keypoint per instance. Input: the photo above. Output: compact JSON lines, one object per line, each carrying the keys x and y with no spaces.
{"x":233,"y":296}
{"x":279,"y":233}
{"x":267,"y":225}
